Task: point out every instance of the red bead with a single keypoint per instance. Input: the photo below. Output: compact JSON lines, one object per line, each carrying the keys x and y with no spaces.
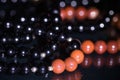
{"x":78,"y":56}
{"x":70,"y":64}
{"x":92,"y":13}
{"x":112,"y":47}
{"x":87,"y":62}
{"x":87,"y":47}
{"x":69,"y":13}
{"x":81,"y":13}
{"x":58,"y":66}
{"x":63,"y":14}
{"x":100,"y":47}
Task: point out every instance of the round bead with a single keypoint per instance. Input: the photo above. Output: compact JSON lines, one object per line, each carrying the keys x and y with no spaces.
{"x":69,"y":13}
{"x":25,"y":69}
{"x":70,"y":64}
{"x":92,"y":13}
{"x":112,"y":47}
{"x":80,"y":13}
{"x":87,"y":62}
{"x":87,"y":47}
{"x":58,"y":66}
{"x":78,"y":56}
{"x":42,"y":69}
{"x":13,"y":69}
{"x":100,"y":47}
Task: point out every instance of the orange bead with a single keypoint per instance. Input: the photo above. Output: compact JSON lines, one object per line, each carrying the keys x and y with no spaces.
{"x":58,"y":66}
{"x":81,"y":13}
{"x":63,"y":14}
{"x":69,"y":13}
{"x":112,"y":47}
{"x":93,"y":13}
{"x":100,"y":47}
{"x":70,"y":64}
{"x":118,"y":43}
{"x":87,"y":47}
{"x":78,"y":56}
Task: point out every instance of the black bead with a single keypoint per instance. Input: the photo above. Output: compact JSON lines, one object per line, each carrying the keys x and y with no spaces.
{"x":13,"y":68}
{"x":62,"y":37}
{"x":39,"y":32}
{"x":56,"y":28}
{"x":35,"y":53}
{"x":54,"y":11}
{"x":23,"y":52}
{"x":26,"y":38}
{"x":10,"y":50}
{"x":73,"y":45}
{"x":50,"y":35}
{"x":28,"y":29}
{"x":42,"y":69}
{"x":16,"y":39}
{"x":5,"y":39}
{"x":68,"y":28}
{"x":48,"y":52}
{"x":56,"y":19}
{"x":25,"y":68}
{"x":45,"y":19}
{"x":54,"y":46}
{"x":19,"y":28}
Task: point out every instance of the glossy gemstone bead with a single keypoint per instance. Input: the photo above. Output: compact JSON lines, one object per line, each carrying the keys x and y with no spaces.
{"x":58,"y":66}
{"x":87,"y":46}
{"x":13,"y":69}
{"x":25,"y":69}
{"x":112,"y":47}
{"x":92,"y":13}
{"x":45,"y":19}
{"x":56,"y":19}
{"x":100,"y":47}
{"x":42,"y":69}
{"x":50,"y":35}
{"x":78,"y":56}
{"x":81,"y":13}
{"x":57,"y":28}
{"x":70,"y":13}
{"x":74,"y":44}
{"x":11,"y":51}
{"x":35,"y":53}
{"x":70,"y":64}
{"x":23,"y":52}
